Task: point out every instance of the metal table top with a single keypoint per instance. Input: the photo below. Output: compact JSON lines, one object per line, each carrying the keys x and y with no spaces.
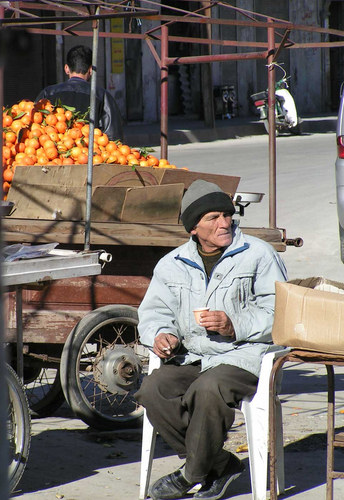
{"x":54,"y":267}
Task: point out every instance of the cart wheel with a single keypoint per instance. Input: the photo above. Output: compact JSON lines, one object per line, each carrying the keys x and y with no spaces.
{"x":43,"y":390}
{"x":18,"y":428}
{"x":102,"y":366}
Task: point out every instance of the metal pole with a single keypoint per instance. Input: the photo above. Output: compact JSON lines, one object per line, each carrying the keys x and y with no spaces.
{"x":164,"y":93}
{"x":4,"y":451}
{"x":91,"y":133}
{"x":272,"y":127}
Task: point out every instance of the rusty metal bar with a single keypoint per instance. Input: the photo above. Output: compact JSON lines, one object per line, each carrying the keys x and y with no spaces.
{"x":214,"y":58}
{"x":330,"y":432}
{"x":272,"y":128}
{"x":164,"y":92}
{"x":153,"y":51}
{"x":281,"y":44}
{"x":223,"y":43}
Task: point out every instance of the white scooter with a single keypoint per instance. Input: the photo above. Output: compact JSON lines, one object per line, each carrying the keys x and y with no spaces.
{"x":287,"y":119}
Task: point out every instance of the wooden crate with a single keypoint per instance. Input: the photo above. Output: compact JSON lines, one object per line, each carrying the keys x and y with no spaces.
{"x":119,"y":193}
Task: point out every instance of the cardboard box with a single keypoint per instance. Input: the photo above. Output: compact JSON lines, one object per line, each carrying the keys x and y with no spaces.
{"x":119,"y":193}
{"x":309,"y":314}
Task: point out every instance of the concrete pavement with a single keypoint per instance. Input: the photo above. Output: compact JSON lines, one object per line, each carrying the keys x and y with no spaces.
{"x":70,"y":461}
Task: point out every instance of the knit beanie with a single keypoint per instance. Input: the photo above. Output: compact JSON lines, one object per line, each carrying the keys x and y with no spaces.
{"x":203,"y":197}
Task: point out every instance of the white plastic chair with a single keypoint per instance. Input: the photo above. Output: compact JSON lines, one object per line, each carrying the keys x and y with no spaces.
{"x":256,"y":413}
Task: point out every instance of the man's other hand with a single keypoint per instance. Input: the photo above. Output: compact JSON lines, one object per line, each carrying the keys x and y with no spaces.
{"x":217,"y":321}
{"x":165,"y":344}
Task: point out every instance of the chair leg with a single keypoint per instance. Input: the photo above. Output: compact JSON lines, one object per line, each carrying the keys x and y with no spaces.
{"x":147,"y":452}
{"x":256,"y":431}
{"x":279,"y":448}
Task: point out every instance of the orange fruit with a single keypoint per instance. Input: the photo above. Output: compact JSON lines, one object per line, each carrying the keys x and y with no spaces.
{"x":7,"y":120}
{"x":75,"y":133}
{"x":75,"y":152}
{"x":124,"y":149}
{"x":33,"y":143}
{"x":37,"y":117}
{"x":30,"y":151}
{"x":17,"y":125}
{"x":51,"y":152}
{"x":163,"y":162}
{"x":7,"y":174}
{"x":121,"y":159}
{"x":6,"y":152}
{"x":5,"y":187}
{"x":85,"y":129}
{"x":82,"y":159}
{"x":61,"y":127}
{"x":97,"y":132}
{"x":144,"y":163}
{"x":111,"y":146}
{"x":68,"y":114}
{"x":10,"y":137}
{"x":42,"y":160}
{"x":68,"y":161}
{"x":97,"y":159}
{"x":103,"y":140}
{"x":26,"y":120}
{"x":51,"y":119}
{"x":68,"y":141}
{"x":48,"y":144}
{"x":152,"y":161}
{"x":136,"y":153}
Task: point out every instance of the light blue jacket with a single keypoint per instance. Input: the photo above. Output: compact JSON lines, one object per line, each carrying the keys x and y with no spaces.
{"x":242,"y":284}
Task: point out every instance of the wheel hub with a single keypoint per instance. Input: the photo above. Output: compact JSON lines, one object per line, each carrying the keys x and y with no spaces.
{"x":117,"y":369}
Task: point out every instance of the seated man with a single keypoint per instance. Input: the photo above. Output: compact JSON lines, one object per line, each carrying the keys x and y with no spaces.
{"x":208,"y":368}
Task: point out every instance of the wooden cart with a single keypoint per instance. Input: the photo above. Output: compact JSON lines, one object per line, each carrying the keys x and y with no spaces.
{"x":83,"y":331}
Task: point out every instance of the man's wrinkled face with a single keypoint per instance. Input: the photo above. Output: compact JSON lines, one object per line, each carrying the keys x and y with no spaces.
{"x":214,"y":231}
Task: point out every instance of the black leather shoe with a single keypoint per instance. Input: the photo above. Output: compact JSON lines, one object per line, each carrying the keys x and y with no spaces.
{"x":215,"y":487}
{"x":171,"y":486}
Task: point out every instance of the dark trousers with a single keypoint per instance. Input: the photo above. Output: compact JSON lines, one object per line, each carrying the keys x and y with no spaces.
{"x":192,"y":411}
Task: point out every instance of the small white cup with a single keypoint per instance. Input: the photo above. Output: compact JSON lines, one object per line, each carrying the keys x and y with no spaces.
{"x":197,"y":313}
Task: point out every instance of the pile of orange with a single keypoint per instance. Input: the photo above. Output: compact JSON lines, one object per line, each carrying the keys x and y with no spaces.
{"x":43,"y":134}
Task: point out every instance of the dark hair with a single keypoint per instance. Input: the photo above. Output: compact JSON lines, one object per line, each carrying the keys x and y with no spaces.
{"x":79,"y":59}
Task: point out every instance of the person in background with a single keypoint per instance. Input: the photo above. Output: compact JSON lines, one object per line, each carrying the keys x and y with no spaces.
{"x":76,"y":91}
{"x":207,"y":367}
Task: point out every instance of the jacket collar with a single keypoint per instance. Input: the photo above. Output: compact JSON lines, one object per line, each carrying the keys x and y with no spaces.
{"x":189,"y":253}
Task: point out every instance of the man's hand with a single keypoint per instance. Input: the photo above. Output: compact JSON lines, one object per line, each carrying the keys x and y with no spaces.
{"x":217,"y":321}
{"x":164,"y":345}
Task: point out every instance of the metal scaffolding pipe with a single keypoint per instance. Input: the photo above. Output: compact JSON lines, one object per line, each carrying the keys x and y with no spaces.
{"x":215,"y":58}
{"x":272,"y":128}
{"x":164,"y":92}
{"x":91,"y":135}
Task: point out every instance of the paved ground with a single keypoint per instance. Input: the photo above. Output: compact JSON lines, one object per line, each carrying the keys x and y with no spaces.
{"x":70,"y":461}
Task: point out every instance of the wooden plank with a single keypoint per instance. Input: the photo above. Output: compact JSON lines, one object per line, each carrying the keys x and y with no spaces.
{"x":114,"y":233}
{"x":226,"y":182}
{"x":107,"y":203}
{"x":153,"y":204}
{"x":33,"y":201}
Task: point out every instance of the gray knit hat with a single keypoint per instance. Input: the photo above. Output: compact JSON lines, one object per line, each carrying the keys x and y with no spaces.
{"x":203,"y":197}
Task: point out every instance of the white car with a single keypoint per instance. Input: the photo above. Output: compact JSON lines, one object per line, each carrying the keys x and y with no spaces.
{"x":340,"y":172}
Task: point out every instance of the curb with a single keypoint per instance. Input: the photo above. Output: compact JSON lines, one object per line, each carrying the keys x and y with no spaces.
{"x":191,"y":131}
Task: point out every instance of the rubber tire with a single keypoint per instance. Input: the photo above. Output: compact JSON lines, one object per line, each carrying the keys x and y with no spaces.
{"x":266,"y":125}
{"x":51,"y":400}
{"x":69,"y":369}
{"x":19,"y":403}
{"x":297,"y":130}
